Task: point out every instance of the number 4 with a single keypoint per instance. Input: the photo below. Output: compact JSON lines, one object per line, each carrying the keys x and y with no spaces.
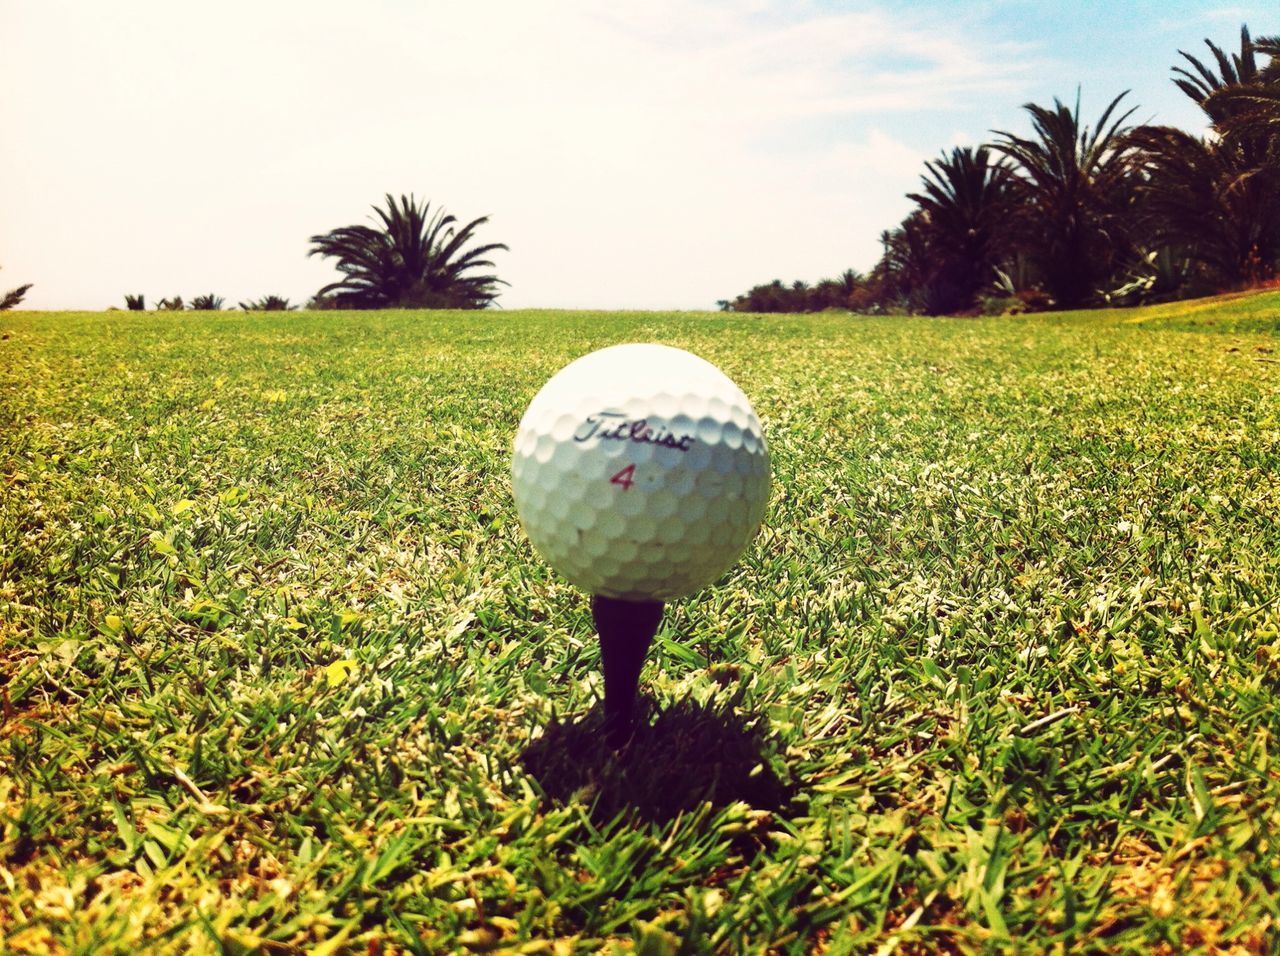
{"x":626,"y":477}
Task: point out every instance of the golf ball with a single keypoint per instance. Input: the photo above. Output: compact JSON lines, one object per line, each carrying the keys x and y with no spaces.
{"x":640,"y":472}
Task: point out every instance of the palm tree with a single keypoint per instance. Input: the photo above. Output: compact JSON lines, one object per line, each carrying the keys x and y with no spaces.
{"x":136,"y":303}
{"x":1073,"y":183}
{"x":907,"y":268}
{"x":967,"y":205}
{"x":1202,"y":199}
{"x":268,"y":303}
{"x":207,"y":303}
{"x":836,"y":293}
{"x":1216,"y":200}
{"x":415,"y":259}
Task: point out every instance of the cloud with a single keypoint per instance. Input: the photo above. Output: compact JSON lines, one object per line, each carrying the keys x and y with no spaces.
{"x":752,"y":62}
{"x":632,"y":155}
{"x":1215,"y":17}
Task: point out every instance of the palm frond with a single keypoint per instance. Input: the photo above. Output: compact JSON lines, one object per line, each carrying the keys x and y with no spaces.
{"x":1235,"y":70}
{"x":13,"y":297}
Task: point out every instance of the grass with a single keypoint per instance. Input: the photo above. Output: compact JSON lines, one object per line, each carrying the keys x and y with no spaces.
{"x":280,"y":672}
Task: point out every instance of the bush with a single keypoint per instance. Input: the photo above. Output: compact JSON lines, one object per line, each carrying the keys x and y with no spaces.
{"x":321,"y":303}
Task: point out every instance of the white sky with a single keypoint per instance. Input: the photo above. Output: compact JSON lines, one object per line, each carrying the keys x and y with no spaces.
{"x":657,"y":154}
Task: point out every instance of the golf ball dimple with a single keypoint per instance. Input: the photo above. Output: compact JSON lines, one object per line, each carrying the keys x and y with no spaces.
{"x":640,"y":472}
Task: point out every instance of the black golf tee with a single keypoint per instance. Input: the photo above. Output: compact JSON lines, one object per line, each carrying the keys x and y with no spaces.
{"x":626,"y":630}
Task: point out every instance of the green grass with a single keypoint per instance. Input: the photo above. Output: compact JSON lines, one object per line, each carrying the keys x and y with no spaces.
{"x":279,"y":669}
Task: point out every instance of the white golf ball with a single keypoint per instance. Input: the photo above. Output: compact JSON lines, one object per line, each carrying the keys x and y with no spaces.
{"x":640,"y":472}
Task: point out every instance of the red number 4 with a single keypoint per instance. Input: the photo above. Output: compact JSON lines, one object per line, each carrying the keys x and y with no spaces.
{"x":626,"y":477}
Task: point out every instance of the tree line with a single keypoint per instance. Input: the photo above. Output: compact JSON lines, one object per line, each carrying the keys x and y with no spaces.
{"x":1073,"y":215}
{"x":209,"y":303}
{"x":1077,"y":215}
{"x":411,"y":258}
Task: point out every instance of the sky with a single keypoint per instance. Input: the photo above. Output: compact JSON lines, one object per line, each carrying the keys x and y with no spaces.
{"x":650,"y":155}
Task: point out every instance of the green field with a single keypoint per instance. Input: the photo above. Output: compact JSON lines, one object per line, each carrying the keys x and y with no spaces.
{"x":280,"y":672}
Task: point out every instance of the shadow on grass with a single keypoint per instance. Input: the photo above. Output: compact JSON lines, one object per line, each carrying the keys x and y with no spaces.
{"x":676,"y":760}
